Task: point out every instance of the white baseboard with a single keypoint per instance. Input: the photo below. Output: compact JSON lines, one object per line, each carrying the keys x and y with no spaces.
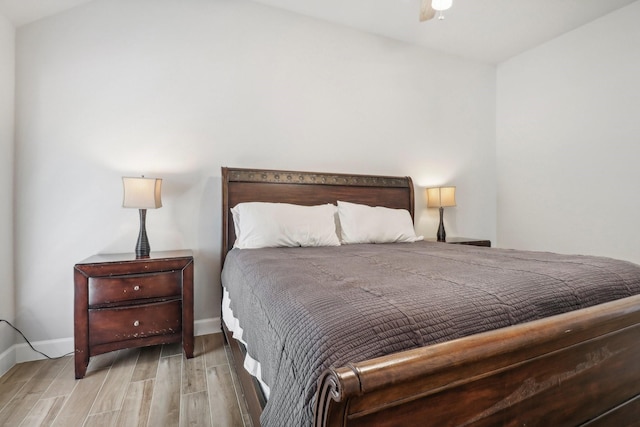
{"x":52,"y":348}
{"x":7,"y":360}
{"x":207,"y":326}
{"x":23,"y":353}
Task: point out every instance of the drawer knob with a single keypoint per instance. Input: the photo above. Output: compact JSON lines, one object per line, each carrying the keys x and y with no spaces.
{"x":136,"y":288}
{"x":136,"y":323}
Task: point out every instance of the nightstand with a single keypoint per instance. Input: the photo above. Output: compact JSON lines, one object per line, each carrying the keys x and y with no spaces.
{"x":123,"y":302}
{"x":465,"y":241}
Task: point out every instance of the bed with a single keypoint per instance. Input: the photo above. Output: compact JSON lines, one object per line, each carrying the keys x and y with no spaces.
{"x":575,"y":368}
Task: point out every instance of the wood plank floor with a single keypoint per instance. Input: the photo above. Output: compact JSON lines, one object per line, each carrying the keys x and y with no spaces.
{"x":150,"y":386}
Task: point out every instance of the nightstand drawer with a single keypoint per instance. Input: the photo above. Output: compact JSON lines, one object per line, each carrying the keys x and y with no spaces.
{"x":104,"y":290}
{"x":125,"y":323}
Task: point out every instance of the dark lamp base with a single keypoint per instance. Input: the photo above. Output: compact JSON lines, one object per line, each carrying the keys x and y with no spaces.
{"x":142,"y":246}
{"x":442,"y":235}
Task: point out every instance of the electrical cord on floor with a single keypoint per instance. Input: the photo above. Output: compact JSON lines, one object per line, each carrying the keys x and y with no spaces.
{"x":25,"y":338}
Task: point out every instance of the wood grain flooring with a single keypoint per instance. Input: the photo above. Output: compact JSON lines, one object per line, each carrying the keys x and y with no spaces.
{"x":149,"y":386}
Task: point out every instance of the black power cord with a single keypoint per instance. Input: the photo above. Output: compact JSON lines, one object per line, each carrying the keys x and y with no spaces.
{"x":25,"y":338}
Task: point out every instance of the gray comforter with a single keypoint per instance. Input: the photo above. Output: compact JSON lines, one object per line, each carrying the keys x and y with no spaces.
{"x":305,"y":309}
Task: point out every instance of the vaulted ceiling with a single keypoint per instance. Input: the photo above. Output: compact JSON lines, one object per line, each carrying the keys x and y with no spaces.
{"x":486,"y":30}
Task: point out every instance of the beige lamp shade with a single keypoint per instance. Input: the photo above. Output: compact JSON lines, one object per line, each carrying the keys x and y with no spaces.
{"x":438,"y":197}
{"x":142,"y":193}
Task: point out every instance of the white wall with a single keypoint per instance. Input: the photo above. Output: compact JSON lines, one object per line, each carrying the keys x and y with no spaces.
{"x":177,"y":89}
{"x":568,"y":142}
{"x":7,"y":299}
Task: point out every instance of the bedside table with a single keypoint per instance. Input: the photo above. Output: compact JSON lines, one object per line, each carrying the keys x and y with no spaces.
{"x":465,"y":241}
{"x":123,"y":302}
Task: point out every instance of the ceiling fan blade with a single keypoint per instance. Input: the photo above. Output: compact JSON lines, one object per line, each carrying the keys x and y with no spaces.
{"x":426,"y":11}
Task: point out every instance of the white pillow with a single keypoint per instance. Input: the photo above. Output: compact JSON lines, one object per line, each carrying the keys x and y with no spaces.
{"x":262,"y":225}
{"x":366,"y":224}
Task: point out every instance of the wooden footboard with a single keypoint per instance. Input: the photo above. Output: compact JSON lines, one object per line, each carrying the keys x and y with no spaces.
{"x":578,"y":368}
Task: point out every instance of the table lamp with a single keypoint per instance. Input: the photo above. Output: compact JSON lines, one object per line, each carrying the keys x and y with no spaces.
{"x":441,"y":197}
{"x":142,"y":193}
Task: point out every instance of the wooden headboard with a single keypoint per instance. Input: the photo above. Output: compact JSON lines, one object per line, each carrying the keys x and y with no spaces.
{"x":308,"y":188}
